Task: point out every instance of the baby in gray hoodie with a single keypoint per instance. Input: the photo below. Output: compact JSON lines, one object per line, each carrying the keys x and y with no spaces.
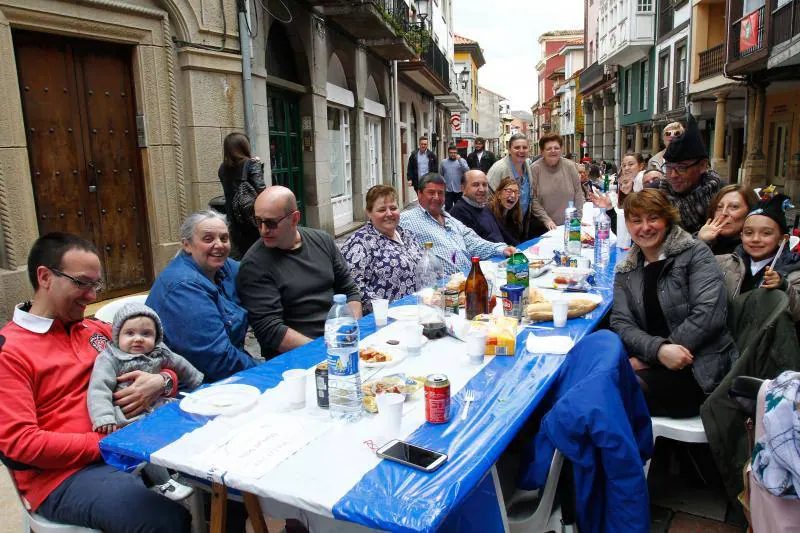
{"x":137,"y":344}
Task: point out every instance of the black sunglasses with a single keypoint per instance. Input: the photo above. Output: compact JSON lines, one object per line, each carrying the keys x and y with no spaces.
{"x":82,"y":284}
{"x":270,"y":223}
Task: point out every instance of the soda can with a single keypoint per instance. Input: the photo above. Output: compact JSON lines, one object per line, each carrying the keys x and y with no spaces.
{"x":512,"y":300}
{"x":321,"y":377}
{"x":437,"y":399}
{"x":451,"y":301}
{"x":573,"y":262}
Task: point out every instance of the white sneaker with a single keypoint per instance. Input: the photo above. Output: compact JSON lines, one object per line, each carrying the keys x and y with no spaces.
{"x":173,"y":490}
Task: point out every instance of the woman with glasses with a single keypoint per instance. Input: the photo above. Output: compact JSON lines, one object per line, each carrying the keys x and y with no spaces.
{"x":671,"y":130}
{"x":237,"y":166}
{"x":195,"y":296}
{"x":504,"y":205}
{"x":382,"y":256}
{"x":670,"y":309}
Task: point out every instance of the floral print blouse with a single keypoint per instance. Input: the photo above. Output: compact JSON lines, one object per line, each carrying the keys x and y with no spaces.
{"x":382,"y":267}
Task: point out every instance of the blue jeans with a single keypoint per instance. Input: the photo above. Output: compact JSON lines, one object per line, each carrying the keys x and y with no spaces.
{"x":102,"y":497}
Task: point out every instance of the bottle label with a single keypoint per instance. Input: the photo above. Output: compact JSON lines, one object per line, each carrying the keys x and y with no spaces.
{"x":603,"y":233}
{"x":343,"y":364}
{"x":517,"y":274}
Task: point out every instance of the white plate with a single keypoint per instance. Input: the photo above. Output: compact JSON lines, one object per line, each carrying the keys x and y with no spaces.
{"x":391,"y":350}
{"x":404,"y":312}
{"x":220,"y":400}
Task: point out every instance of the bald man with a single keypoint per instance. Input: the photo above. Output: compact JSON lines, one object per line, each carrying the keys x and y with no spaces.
{"x":472,"y":211}
{"x":288,"y":279}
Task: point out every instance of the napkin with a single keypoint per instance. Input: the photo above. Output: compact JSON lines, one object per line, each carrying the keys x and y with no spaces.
{"x":559,"y":344}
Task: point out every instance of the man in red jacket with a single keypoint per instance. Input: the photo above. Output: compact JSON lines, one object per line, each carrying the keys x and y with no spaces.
{"x":46,"y":356}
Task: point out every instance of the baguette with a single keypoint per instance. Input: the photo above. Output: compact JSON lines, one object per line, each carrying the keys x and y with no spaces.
{"x":543,"y":311}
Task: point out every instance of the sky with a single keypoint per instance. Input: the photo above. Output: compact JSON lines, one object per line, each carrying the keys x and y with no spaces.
{"x":507,"y":31}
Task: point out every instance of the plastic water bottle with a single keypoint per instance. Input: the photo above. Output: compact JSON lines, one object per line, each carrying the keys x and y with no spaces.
{"x":569,"y":214}
{"x":573,"y":227}
{"x":602,"y":239}
{"x":344,"y":380}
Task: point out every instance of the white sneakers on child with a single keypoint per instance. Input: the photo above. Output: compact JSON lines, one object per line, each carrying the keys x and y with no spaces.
{"x":173,"y":490}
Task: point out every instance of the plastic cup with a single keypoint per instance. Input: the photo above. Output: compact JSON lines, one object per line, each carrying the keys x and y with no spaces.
{"x":295,"y":381}
{"x":476,"y":347}
{"x":560,"y":310}
{"x":380,"y":309}
{"x":414,"y":339}
{"x":390,"y":413}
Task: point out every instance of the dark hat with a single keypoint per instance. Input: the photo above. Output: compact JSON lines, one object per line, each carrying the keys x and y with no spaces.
{"x":687,"y":146}
{"x":774,"y":208}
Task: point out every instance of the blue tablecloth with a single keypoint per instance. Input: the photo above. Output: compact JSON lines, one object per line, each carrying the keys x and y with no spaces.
{"x":391,"y":496}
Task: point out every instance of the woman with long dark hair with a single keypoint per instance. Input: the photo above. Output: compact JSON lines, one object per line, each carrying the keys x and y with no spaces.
{"x":504,"y":205}
{"x":238,"y":166}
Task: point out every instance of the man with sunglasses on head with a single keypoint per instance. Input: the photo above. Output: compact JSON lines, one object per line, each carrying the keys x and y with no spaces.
{"x":47,"y":353}
{"x":287,"y":281}
{"x":690,"y":183}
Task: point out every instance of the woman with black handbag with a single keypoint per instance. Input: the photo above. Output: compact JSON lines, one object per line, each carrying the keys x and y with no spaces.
{"x":242,"y":178}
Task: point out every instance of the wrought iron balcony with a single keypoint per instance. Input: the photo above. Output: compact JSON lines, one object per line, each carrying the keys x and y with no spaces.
{"x":785,"y":22}
{"x":663,"y":99}
{"x":735,"y":37}
{"x":680,"y":95}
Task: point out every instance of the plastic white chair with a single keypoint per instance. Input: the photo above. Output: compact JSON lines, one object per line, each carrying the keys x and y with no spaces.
{"x":689,"y":430}
{"x":39,"y":524}
{"x":107,"y":312}
{"x":532,"y":511}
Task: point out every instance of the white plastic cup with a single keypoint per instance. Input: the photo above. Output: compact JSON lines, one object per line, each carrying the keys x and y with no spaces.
{"x":295,"y":381}
{"x":414,"y":339}
{"x":390,"y":413}
{"x":380,"y":309}
{"x":560,"y":310}
{"x":476,"y":347}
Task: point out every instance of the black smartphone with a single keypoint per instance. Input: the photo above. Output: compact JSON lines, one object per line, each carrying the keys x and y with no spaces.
{"x":413,"y":456}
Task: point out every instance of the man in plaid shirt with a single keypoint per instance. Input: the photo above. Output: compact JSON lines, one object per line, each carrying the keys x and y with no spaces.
{"x":453,"y":243}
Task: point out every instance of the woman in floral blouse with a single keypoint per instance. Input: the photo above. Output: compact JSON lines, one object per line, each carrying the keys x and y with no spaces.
{"x":382,"y":256}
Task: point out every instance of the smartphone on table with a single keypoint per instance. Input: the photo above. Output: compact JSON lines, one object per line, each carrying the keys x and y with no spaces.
{"x":411,"y":455}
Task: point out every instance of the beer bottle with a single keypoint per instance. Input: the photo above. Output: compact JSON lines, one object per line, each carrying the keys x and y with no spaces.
{"x":477,"y":291}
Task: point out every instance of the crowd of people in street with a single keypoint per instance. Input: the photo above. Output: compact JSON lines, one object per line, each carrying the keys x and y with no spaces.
{"x":69,"y":380}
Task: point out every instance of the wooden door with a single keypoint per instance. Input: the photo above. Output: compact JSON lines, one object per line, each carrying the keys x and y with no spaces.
{"x":79,"y":108}
{"x":285,"y":143}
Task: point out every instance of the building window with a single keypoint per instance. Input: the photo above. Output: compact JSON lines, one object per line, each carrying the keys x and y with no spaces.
{"x":339,"y":146}
{"x":644,"y":84}
{"x":680,"y":75}
{"x":663,"y":83}
{"x":644,"y":6}
{"x":751,"y":5}
{"x":626,"y":103}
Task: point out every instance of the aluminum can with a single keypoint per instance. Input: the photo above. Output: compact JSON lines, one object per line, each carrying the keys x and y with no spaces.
{"x":437,"y":399}
{"x":321,"y":377}
{"x":512,"y":300}
{"x":451,"y":302}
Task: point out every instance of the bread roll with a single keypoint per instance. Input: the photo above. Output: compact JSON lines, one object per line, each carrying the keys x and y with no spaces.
{"x":543,"y":311}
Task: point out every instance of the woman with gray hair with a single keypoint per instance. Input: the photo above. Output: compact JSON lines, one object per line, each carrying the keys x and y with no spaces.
{"x":195,"y":296}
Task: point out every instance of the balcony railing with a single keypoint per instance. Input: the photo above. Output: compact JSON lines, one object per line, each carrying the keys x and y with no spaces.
{"x":712,"y":61}
{"x":437,"y":61}
{"x":663,"y":99}
{"x":680,"y":95}
{"x":785,"y":22}
{"x":735,"y":35}
{"x":396,"y":13}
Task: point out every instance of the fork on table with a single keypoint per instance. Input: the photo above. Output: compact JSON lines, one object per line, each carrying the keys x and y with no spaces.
{"x":469,"y":397}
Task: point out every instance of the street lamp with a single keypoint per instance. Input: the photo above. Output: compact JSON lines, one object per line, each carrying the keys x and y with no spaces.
{"x":423,"y":10}
{"x":464,"y":77}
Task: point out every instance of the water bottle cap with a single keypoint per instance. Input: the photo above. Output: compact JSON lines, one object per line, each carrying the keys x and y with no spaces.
{"x":570,"y":203}
{"x":339,"y":298}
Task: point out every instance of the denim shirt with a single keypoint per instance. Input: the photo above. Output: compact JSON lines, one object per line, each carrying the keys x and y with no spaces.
{"x":203,"y":320}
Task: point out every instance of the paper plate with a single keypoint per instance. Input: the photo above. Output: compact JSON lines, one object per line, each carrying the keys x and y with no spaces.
{"x":393,"y":351}
{"x":404,"y":312}
{"x":220,"y":400}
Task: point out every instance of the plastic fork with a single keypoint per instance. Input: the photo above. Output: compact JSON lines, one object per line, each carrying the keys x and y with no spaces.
{"x":469,"y":397}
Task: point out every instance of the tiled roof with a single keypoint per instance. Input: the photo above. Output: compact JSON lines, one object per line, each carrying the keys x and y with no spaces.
{"x":458,"y":39}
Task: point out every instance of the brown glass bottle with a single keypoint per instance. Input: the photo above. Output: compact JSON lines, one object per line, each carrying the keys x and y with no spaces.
{"x":477,"y":291}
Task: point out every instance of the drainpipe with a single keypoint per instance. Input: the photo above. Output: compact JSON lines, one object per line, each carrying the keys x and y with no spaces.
{"x":247,"y":75}
{"x":393,"y":121}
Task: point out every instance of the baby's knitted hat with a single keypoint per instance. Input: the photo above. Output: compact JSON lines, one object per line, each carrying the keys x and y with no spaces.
{"x":132,"y":310}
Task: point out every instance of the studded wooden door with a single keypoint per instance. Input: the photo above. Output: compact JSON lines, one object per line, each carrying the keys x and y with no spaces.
{"x":78,"y":103}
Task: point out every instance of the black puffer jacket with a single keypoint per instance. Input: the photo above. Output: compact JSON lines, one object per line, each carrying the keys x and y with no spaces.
{"x":243,"y":235}
{"x":692,"y":295}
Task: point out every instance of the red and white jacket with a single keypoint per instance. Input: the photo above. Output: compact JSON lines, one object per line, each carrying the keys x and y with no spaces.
{"x":44,"y":377}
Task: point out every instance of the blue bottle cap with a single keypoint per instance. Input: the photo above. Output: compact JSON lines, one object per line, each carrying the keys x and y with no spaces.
{"x":339,"y":298}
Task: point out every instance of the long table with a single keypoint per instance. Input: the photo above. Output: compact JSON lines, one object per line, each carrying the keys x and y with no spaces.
{"x":317,"y":485}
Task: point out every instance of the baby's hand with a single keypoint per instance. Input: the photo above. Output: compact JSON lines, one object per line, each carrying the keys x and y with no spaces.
{"x":107,"y":429}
